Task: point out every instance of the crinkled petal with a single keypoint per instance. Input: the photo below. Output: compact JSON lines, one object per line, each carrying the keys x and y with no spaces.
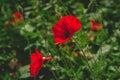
{"x":67,"y":24}
{"x":34,"y":69}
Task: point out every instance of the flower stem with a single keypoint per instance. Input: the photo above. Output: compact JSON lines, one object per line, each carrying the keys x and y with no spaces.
{"x":79,"y":46}
{"x":35,"y":78}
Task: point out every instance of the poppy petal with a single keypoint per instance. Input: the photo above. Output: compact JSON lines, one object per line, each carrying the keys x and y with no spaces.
{"x":36,"y":62}
{"x":64,"y":29}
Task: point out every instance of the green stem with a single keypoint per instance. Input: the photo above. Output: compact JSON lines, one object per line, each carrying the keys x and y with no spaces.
{"x":47,"y":47}
{"x":55,"y":73}
{"x":47,"y":50}
{"x":28,"y":42}
{"x":92,"y":72}
{"x":64,"y":60}
{"x":68,"y":12}
{"x":35,"y":78}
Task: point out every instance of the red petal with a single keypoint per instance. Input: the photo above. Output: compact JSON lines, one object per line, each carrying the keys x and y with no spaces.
{"x":35,"y":57}
{"x":17,"y":18}
{"x":18,"y":15}
{"x":36,"y":63}
{"x":34,"y":69}
{"x":94,"y":28}
{"x":92,"y":22}
{"x":73,"y":24}
{"x":98,"y":25}
{"x":66,"y":24}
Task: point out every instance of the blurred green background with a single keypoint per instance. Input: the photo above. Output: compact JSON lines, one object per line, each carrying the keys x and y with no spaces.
{"x":18,"y":41}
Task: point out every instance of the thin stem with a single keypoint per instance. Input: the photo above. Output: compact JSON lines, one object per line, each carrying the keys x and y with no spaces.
{"x":72,"y":67}
{"x":28,"y":42}
{"x":47,"y":50}
{"x":64,"y":61}
{"x":35,"y":78}
{"x":92,"y":2}
{"x":54,"y":75}
{"x":68,"y":12}
{"x":46,"y":46}
{"x":86,"y":60}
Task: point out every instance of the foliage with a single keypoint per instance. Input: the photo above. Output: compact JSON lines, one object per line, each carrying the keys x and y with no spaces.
{"x":101,"y":48}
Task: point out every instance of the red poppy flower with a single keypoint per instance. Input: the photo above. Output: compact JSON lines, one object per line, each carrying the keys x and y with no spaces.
{"x":95,"y":26}
{"x":64,"y":29}
{"x":36,"y":62}
{"x":17,"y":18}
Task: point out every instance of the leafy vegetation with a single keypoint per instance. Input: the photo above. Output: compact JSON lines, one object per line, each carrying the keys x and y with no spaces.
{"x":89,"y":55}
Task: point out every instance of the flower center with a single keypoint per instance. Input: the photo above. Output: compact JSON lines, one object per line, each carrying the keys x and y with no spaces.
{"x":66,"y":33}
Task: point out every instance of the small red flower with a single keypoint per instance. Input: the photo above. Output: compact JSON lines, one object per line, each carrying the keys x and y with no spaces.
{"x":36,"y":62}
{"x":95,"y":26}
{"x":17,"y":18}
{"x":64,"y":29}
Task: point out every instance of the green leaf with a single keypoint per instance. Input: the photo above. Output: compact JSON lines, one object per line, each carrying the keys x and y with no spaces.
{"x":2,"y":58}
{"x":24,"y":72}
{"x":25,"y":75}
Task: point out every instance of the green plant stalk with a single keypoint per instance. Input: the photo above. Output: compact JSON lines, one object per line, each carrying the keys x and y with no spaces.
{"x":46,"y":46}
{"x":54,"y":75}
{"x":28,"y":42}
{"x":73,"y":72}
{"x":86,"y":60}
{"x":64,"y":61}
{"x":35,"y":78}
{"x":65,"y":8}
{"x":47,"y":50}
{"x":67,"y":64}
